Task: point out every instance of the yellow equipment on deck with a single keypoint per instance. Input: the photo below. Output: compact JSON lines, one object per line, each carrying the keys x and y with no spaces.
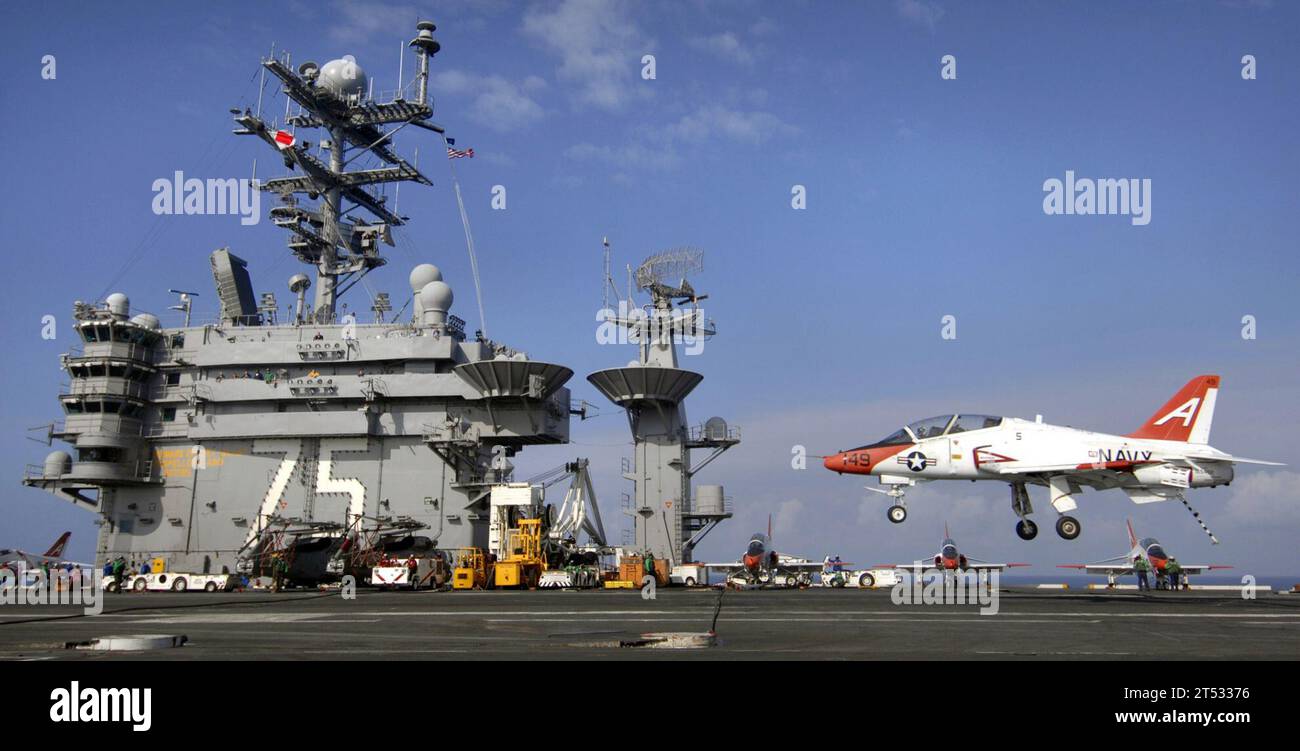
{"x":523,"y":566}
{"x":472,"y":570}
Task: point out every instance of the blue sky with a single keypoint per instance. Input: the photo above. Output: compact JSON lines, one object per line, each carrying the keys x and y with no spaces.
{"x":924,"y":200}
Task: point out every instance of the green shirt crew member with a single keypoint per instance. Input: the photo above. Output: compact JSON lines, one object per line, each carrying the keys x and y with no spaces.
{"x":1141,"y":567}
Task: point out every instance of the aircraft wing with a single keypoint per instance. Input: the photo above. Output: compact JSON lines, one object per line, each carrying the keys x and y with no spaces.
{"x":978,"y":565}
{"x":1223,"y":458}
{"x":970,"y":566}
{"x":1102,"y":569}
{"x":32,"y":560}
{"x":1126,"y":569}
{"x":783,"y":564}
{"x":1033,"y":469}
{"x":1200,"y":568}
{"x":1085,"y":469}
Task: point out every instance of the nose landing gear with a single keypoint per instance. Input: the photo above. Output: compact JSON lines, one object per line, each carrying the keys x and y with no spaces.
{"x":897,"y":513}
{"x":1020,"y":503}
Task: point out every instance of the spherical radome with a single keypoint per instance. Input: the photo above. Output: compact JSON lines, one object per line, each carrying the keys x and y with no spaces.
{"x":118,"y":303}
{"x":147,"y":320}
{"x":423,"y":274}
{"x":343,"y":77}
{"x":436,"y":296}
{"x":57,"y":463}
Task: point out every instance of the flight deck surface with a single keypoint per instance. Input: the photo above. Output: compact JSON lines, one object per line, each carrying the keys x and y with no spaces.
{"x":817,"y":624}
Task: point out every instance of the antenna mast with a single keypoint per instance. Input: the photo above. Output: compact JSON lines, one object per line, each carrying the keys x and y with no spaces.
{"x":336,"y":98}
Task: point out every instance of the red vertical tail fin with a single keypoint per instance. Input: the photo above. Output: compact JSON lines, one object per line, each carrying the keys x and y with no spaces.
{"x":1187,"y":416}
{"x":1132,"y":537}
{"x":56,"y":550}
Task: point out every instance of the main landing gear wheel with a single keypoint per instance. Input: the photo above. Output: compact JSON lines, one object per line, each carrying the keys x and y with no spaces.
{"x":1068,"y":527}
{"x":1027,"y":529}
{"x":896,"y":514}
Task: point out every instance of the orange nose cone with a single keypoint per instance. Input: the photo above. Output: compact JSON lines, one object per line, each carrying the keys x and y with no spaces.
{"x":751,"y":562}
{"x":834,"y":463}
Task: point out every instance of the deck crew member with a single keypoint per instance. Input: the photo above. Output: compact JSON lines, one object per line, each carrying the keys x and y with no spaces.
{"x":1140,"y":567}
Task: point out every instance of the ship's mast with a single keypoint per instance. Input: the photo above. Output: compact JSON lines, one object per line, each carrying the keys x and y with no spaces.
{"x":337,"y":99}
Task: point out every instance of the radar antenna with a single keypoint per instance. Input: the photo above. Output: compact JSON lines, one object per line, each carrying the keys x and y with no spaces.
{"x":664,"y":275}
{"x":336,"y":98}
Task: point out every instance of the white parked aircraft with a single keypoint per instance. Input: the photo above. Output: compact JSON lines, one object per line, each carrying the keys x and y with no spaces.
{"x":950,"y":559}
{"x":19,"y":561}
{"x":1158,"y":462}
{"x":1148,"y":548}
{"x":761,"y":564}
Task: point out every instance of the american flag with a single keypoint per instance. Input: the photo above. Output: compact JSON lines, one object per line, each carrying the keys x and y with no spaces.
{"x":458,"y":153}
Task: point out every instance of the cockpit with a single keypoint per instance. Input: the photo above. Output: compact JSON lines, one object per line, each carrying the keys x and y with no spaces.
{"x":933,"y":427}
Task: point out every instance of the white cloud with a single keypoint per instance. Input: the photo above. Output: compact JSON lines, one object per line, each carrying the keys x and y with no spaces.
{"x":726,"y":45}
{"x":659,"y":149}
{"x":630,"y":156}
{"x":787,"y":515}
{"x":599,"y":47}
{"x":752,"y":127}
{"x":920,"y":12}
{"x":356,"y":21}
{"x":763,"y":27}
{"x":499,"y":158}
{"x":1263,"y":494}
{"x":497,"y":103}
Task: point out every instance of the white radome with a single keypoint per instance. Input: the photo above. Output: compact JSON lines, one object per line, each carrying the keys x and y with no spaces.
{"x":423,"y":274}
{"x":343,"y":77}
{"x":147,"y":320}
{"x":118,"y":303}
{"x":436,"y":296}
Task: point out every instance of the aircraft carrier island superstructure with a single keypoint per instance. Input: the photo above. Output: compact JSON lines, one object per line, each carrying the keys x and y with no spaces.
{"x":196,"y":444}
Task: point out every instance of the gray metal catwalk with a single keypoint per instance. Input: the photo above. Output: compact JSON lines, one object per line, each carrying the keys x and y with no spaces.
{"x":669,"y":520}
{"x":193,"y":444}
